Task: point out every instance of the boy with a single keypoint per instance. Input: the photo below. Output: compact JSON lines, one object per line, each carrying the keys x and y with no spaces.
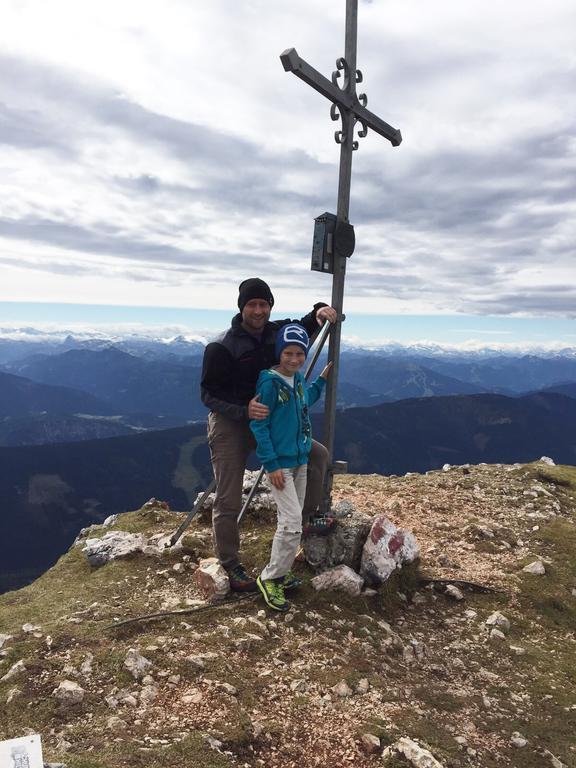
{"x":284,"y":440}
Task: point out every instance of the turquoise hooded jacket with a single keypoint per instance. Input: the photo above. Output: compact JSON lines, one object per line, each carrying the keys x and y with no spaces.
{"x":284,"y":437}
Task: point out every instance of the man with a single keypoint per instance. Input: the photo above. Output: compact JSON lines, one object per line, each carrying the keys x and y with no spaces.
{"x":230,"y":371}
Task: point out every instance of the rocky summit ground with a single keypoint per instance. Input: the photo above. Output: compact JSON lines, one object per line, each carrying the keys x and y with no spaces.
{"x":338,"y":678}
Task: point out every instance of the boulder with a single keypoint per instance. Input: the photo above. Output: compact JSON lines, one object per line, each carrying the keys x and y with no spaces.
{"x":413,"y":752}
{"x":386,"y":549}
{"x":112,"y":546}
{"x":499,"y":621}
{"x":342,"y":689}
{"x":518,"y":740}
{"x":69,"y":692}
{"x":341,"y":578}
{"x":138,"y":666}
{"x":14,"y":670}
{"x":342,"y":546}
{"x":537,"y":568}
{"x":212,"y":579}
{"x":370,"y":743}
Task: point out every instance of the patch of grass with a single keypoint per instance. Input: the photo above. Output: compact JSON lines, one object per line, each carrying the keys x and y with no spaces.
{"x":550,"y":595}
{"x":444,"y":701}
{"x":193,"y":750}
{"x":379,"y":728}
{"x":562,"y":475}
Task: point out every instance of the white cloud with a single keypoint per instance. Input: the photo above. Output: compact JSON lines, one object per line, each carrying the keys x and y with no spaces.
{"x":156,"y":152}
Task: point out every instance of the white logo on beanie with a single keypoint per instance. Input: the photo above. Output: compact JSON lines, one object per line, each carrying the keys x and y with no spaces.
{"x":295,"y":334}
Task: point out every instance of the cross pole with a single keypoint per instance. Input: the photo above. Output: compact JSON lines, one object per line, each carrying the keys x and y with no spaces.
{"x":351,"y":109}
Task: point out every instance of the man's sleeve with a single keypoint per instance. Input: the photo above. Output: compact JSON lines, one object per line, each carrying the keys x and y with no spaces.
{"x":215,"y":384}
{"x":309,"y":321}
{"x":261,"y":428}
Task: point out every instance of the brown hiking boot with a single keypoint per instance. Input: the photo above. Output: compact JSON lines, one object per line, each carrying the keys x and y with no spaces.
{"x":240,"y":581}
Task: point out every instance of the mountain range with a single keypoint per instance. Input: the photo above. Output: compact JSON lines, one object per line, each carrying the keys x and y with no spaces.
{"x":135,"y":384}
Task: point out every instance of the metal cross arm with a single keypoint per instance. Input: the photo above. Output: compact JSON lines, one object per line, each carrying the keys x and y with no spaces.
{"x":292,"y":62}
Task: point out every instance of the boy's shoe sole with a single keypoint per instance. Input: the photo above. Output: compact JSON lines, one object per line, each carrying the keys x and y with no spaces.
{"x":268,"y":599}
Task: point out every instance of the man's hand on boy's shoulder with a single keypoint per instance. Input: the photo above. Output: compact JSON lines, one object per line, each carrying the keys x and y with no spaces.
{"x":326,"y":313}
{"x":257,"y":410}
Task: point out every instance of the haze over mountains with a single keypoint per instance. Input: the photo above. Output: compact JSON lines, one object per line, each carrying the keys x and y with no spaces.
{"x":93,"y":426}
{"x":138,"y":383}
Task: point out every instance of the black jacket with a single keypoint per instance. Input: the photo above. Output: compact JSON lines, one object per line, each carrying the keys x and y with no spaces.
{"x":232,"y":364}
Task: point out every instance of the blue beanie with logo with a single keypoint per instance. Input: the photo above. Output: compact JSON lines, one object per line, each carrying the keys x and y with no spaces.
{"x":291,"y":334}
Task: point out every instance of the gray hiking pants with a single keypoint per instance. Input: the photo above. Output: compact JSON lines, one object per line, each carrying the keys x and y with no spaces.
{"x":289,"y":527}
{"x":230,"y":443}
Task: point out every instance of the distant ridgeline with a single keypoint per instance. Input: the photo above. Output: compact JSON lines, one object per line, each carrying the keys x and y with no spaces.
{"x":50,"y":492}
{"x":75,"y":392}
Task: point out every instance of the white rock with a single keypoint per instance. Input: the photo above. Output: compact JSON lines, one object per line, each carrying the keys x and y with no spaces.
{"x":453,"y":592}
{"x":115,"y":723}
{"x":342,"y":689}
{"x":229,"y":689}
{"x":69,"y":692}
{"x":13,"y":693}
{"x":414,"y":753}
{"x":554,"y":761}
{"x":386,"y":549}
{"x":195,"y":697}
{"x":298,"y":686}
{"x":112,"y":546}
{"x":196,"y":661}
{"x":211,"y":577}
{"x":499,"y":621}
{"x":86,"y":666}
{"x":4,"y":639}
{"x":517,"y":740}
{"x":136,"y":664}
{"x":548,"y":460}
{"x":148,"y":694}
{"x":537,"y":567}
{"x":496,"y":636}
{"x":516,"y":649}
{"x":214,"y":743}
{"x":342,"y":577}
{"x":28,"y":628}
{"x":110,"y":520}
{"x":14,"y":670}
{"x":363,"y":686}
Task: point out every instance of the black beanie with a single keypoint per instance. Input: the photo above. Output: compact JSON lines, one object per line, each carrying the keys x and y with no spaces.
{"x":254,"y":288}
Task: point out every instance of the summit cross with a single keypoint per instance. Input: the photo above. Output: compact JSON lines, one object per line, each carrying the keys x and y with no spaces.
{"x":350,"y":108}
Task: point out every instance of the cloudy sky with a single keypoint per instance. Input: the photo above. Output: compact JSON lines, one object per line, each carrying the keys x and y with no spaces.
{"x":155,"y":153}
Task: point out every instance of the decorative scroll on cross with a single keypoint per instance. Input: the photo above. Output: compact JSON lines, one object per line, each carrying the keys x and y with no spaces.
{"x":351,"y":109}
